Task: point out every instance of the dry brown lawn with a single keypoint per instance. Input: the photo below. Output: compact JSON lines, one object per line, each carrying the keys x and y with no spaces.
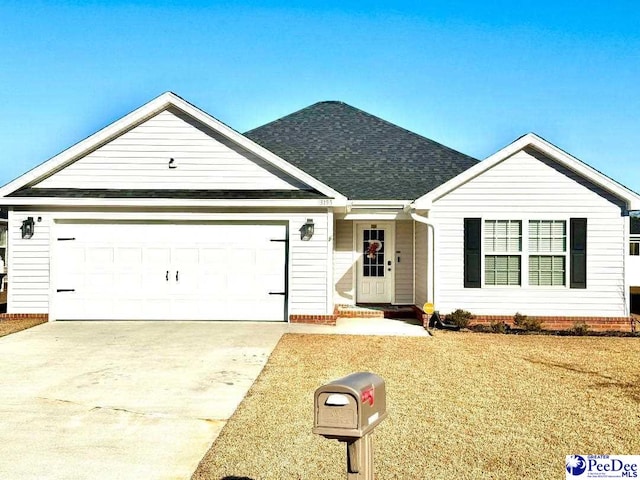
{"x":461,"y":405}
{"x":7,"y":327}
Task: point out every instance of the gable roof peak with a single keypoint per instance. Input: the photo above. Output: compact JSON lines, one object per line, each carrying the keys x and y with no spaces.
{"x":143,"y":113}
{"x":550,"y":151}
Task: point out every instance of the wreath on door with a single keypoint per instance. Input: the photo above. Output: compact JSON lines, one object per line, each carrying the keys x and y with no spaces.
{"x":374,"y":247}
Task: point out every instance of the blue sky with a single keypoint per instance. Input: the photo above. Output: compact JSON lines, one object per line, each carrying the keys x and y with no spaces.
{"x":472,"y":75}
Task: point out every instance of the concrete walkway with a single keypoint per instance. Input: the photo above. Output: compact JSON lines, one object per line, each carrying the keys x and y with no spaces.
{"x":366,"y":326}
{"x":131,"y":400}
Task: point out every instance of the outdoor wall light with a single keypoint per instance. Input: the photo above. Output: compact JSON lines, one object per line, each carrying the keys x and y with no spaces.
{"x":306,"y":231}
{"x":28,"y":226}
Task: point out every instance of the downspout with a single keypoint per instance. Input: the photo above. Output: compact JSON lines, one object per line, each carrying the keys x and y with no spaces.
{"x":431,"y":291}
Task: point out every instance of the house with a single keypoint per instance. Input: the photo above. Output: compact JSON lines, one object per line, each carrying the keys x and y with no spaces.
{"x":633,"y":266}
{"x":169,"y":214}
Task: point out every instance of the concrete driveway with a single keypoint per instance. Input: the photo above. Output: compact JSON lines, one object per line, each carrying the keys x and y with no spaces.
{"x":122,"y":400}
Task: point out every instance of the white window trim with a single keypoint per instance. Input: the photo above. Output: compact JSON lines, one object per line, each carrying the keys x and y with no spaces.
{"x":564,"y":254}
{"x":525,"y":254}
{"x":485,"y":254}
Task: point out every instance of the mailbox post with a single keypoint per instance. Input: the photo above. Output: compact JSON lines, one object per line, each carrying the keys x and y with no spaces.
{"x":347,"y":410}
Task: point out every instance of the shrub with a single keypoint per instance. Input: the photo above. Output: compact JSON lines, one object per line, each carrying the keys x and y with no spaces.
{"x":499,"y":327}
{"x":460,"y":318}
{"x":529,"y":324}
{"x":580,"y":328}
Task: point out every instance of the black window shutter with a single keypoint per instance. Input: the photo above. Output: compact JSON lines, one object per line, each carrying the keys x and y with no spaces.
{"x":578,"y":252}
{"x":472,"y":252}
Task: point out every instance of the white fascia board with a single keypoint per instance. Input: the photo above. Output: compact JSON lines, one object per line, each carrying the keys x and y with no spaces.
{"x":379,"y":203}
{"x":588,"y":172}
{"x":158,"y":202}
{"x":531,"y":140}
{"x":375,"y":216}
{"x":376,"y":210}
{"x":164,"y":101}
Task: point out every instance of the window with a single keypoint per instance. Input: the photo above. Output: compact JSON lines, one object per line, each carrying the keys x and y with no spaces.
{"x":548,"y":237}
{"x":634,"y":248}
{"x":503,"y":244}
{"x":503,"y":236}
{"x":546,"y":270}
{"x":373,"y":253}
{"x":546,"y":253}
{"x":502,"y":270}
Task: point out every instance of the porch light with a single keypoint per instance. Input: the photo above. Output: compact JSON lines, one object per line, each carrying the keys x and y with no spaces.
{"x":306,"y":231}
{"x":28,"y":226}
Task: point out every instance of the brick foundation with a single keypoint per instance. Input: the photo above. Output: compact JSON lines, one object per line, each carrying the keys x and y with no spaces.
{"x":361,"y":314}
{"x":19,"y":316}
{"x":420,"y":315}
{"x":314,"y":319}
{"x":596,"y":324}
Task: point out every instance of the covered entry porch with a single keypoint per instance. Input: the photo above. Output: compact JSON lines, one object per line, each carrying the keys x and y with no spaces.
{"x":381,"y":261}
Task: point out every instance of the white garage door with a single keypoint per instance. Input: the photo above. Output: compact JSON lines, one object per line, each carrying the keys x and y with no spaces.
{"x":133,"y":271}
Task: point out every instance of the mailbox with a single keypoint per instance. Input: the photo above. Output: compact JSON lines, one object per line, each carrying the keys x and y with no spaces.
{"x":350,"y":407}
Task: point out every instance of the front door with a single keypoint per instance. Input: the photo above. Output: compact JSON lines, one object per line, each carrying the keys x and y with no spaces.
{"x":375,"y":263}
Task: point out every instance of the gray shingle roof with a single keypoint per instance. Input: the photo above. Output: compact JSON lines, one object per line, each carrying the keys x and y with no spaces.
{"x":360,"y":155}
{"x":168,"y":193}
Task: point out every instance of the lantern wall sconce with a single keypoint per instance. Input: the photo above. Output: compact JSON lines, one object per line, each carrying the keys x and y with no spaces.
{"x":306,"y":231}
{"x":28,"y":227}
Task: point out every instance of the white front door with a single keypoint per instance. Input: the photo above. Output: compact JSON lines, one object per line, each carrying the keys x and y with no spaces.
{"x":375,"y":263}
{"x":161,"y":271}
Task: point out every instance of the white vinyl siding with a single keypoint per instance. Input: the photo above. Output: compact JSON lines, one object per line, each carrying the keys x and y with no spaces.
{"x":404,"y":268}
{"x":28,"y":264}
{"x":421,"y":296}
{"x":528,"y":186}
{"x":140,"y":158}
{"x":29,"y":260}
{"x":343,"y":263}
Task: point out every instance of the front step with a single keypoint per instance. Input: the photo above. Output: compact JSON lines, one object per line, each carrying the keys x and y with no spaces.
{"x":375,"y":311}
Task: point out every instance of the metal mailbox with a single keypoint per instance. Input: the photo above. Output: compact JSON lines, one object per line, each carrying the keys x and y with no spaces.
{"x":350,"y":407}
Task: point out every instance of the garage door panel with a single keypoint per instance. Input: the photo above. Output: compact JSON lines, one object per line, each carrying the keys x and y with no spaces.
{"x":186,"y":256}
{"x":212,"y":256}
{"x":170,"y":271}
{"x":215,"y":281}
{"x":127,"y":282}
{"x":155,"y":256}
{"x":94,"y":282}
{"x":129,"y":258}
{"x":98,"y":256}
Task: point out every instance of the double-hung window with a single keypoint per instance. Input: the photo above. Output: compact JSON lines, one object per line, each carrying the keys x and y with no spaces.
{"x":536,"y":253}
{"x":547,"y":252}
{"x":503,"y":252}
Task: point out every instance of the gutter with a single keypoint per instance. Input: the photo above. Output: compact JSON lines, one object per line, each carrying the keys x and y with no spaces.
{"x":431,"y":290}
